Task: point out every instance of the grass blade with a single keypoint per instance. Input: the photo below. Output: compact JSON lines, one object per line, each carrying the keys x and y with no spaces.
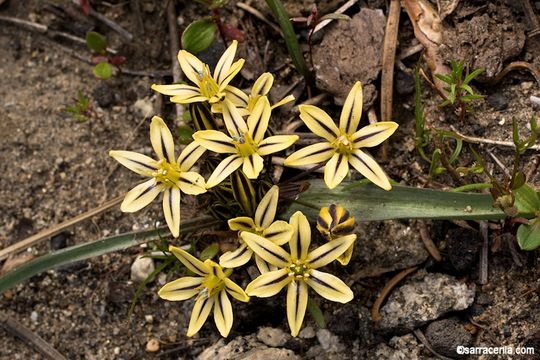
{"x":93,"y":249}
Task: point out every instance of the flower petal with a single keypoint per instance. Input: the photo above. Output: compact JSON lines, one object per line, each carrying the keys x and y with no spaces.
{"x":236,"y":258}
{"x":352,"y":110}
{"x":171,"y":209}
{"x":191,"y":183}
{"x":374,"y":134}
{"x":190,"y":261}
{"x":161,"y":139}
{"x":263,"y":266}
{"x":287,"y":99}
{"x":181,"y":289}
{"x":329,"y":252}
{"x":189,"y":156}
{"x":199,"y":314}
{"x":319,"y":122}
{"x":345,"y":258}
{"x":257,"y":121}
{"x":181,"y":93}
{"x":312,"y":154}
{"x":262,"y":85}
{"x":279,"y":232}
{"x":336,"y":170}
{"x":241,"y":223}
{"x":225,"y":168}
{"x":329,"y":287}
{"x":266,"y":210}
{"x":368,"y":167}
{"x":297,"y":298}
{"x":301,"y":238}
{"x":276,"y":143}
{"x":215,"y":141}
{"x":233,"y":70}
{"x":266,"y":249}
{"x":235,"y":124}
{"x":225,"y":61}
{"x":139,"y":163}
{"x":235,"y":291}
{"x":269,"y":284}
{"x":236,"y":96}
{"x":253,"y":166}
{"x":223,"y":313}
{"x":191,"y":66}
{"x":140,"y":196}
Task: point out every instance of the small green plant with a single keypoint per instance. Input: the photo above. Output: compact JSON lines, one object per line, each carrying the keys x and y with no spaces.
{"x":82,"y":109}
{"x":460,"y":93}
{"x":104,"y":63}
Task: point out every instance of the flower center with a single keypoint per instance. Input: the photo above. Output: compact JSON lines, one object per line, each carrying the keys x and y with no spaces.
{"x":343,"y":144}
{"x":245,"y":145}
{"x":208,"y":86}
{"x":299,"y":270}
{"x":211,"y":286}
{"x":167,"y":173}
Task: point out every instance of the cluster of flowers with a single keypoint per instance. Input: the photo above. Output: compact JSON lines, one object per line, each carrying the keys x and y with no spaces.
{"x":246,"y":119}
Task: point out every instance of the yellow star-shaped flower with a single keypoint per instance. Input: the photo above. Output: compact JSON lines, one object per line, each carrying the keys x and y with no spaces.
{"x":298,"y":269}
{"x":211,"y":288}
{"x":246,"y":142}
{"x":208,"y":87}
{"x":343,"y":145}
{"x":167,"y":174}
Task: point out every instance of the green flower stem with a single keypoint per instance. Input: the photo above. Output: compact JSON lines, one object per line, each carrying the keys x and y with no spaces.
{"x":95,"y":248}
{"x":290,"y":38}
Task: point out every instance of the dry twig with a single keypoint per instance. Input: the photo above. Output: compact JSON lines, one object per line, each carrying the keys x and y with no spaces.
{"x":388,"y":61}
{"x":340,"y":10}
{"x":477,"y":140}
{"x":110,"y":23}
{"x":174,"y":48}
{"x":483,"y":266}
{"x":376,"y":308}
{"x":259,"y":15}
{"x":55,"y":229}
{"x":29,"y":338}
{"x":428,"y":242}
{"x":420,"y":335}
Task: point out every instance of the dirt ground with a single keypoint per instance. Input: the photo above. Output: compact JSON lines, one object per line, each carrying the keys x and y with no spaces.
{"x":55,"y":167}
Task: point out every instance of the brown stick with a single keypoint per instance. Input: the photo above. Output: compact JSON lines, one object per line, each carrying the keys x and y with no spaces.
{"x":110,"y":23}
{"x":428,"y":242}
{"x":174,"y":48}
{"x":420,"y":335}
{"x":53,"y":230}
{"x":477,"y":140}
{"x":376,"y":308}
{"x":483,"y":266}
{"x":29,"y":338}
{"x":388,"y":61}
{"x":43,"y":29}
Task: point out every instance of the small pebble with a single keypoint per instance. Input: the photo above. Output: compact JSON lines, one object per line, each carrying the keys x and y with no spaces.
{"x":141,"y":268}
{"x":497,"y":101}
{"x":149,"y":318}
{"x":307,"y":333}
{"x":116,"y":351}
{"x":272,"y":337}
{"x":535,"y":102}
{"x":34,"y":317}
{"x":152,"y":345}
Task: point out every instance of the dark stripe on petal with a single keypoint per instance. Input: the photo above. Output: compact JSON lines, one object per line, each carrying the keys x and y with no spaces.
{"x":164,"y":148}
{"x":143,"y":164}
{"x":275,"y":281}
{"x":276,"y":255}
{"x":315,"y":153}
{"x":189,"y":287}
{"x":367,"y":136}
{"x":332,"y":211}
{"x":145,"y":191}
{"x":240,"y":254}
{"x":326,"y":253}
{"x":323,"y":125}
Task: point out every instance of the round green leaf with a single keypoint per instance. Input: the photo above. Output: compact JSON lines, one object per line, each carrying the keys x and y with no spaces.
{"x":528,"y":235}
{"x":103,"y":70}
{"x":96,"y":42}
{"x":199,"y":35}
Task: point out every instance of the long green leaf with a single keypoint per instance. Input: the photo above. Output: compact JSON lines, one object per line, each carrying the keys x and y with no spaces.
{"x":370,"y":203}
{"x":290,"y":37}
{"x":93,"y":249}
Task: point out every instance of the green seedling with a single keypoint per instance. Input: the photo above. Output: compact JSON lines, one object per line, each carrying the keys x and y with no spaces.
{"x":82,"y":109}
{"x":460,"y":93}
